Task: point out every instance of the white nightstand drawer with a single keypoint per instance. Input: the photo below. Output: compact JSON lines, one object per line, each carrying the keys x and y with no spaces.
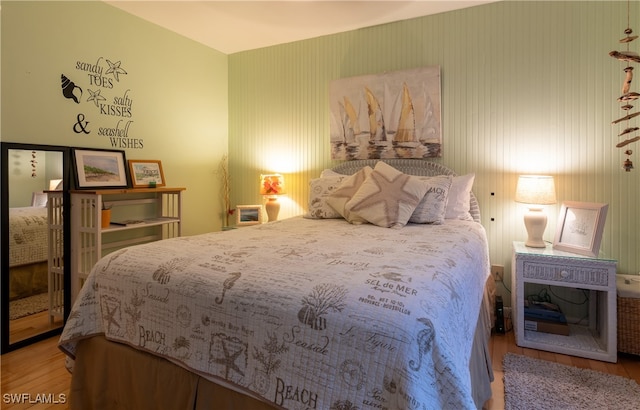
{"x":566,"y":273}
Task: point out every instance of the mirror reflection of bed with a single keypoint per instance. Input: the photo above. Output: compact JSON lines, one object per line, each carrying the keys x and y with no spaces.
{"x":30,"y":174}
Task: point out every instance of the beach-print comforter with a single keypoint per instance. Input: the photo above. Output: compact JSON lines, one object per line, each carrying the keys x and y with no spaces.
{"x":27,"y":235}
{"x":304,"y":313}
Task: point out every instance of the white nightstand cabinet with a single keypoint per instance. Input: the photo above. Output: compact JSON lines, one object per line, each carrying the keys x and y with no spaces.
{"x":158,"y":212}
{"x":547,"y":266}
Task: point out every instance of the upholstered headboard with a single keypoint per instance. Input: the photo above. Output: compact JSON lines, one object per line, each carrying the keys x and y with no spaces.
{"x":408,"y":166}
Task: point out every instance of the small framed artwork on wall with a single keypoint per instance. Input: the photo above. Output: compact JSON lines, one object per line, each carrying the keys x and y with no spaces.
{"x":99,"y":168}
{"x":580,"y":227}
{"x":249,"y":215}
{"x":146,"y":173}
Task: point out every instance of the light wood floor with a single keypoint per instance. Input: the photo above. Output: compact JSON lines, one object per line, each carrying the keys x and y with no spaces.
{"x":32,"y":325}
{"x":627,"y":365}
{"x":39,"y":370}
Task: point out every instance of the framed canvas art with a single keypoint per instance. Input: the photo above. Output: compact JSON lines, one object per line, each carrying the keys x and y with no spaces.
{"x":388,"y":115}
{"x":98,"y":168}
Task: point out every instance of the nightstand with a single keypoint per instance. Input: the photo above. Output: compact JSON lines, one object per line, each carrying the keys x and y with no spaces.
{"x":548,"y":266}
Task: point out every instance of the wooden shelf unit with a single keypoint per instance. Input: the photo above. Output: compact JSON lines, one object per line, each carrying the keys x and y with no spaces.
{"x":159,"y":209}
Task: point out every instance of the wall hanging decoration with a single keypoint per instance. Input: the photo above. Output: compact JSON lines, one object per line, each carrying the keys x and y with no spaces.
{"x":69,"y":89}
{"x":103,"y":98}
{"x":34,"y":161}
{"x":625,"y":122}
{"x":389,"y":115}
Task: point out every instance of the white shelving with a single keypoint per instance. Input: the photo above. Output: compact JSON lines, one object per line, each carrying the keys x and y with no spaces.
{"x":597,"y":276}
{"x":159,"y":211}
{"x":55,"y":224}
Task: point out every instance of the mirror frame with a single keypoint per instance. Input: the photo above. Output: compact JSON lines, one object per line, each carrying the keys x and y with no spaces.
{"x":6,"y":346}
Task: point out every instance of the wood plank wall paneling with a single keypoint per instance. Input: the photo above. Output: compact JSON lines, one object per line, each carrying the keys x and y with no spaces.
{"x":527,"y":87}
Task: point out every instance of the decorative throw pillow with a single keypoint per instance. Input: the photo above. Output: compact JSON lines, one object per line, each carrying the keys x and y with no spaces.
{"x":330,"y":173}
{"x":459,"y":201}
{"x":433,"y":206}
{"x":319,"y":190}
{"x":349,"y":186}
{"x":387,"y":197}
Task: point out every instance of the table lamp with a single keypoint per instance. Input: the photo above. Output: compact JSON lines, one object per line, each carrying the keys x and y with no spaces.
{"x":55,"y":185}
{"x":271,"y":186}
{"x":535,"y":190}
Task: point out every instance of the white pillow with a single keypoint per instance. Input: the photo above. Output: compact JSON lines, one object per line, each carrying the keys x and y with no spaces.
{"x":330,"y":173}
{"x":459,"y":201}
{"x":387,"y":197}
{"x":319,"y":190}
{"x":432,"y":207}
{"x":349,"y":186}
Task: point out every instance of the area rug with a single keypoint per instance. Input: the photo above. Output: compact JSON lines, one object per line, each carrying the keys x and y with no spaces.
{"x":539,"y":384}
{"x":28,"y":306}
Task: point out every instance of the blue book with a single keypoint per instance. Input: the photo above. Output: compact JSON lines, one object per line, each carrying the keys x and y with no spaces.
{"x":543,"y":311}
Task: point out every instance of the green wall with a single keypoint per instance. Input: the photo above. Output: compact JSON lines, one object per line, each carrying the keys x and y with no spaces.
{"x":527,"y":88}
{"x":178,"y":89}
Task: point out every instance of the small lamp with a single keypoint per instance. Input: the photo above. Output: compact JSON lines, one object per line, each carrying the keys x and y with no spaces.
{"x":271,"y":186}
{"x":55,"y":185}
{"x":535,"y":190}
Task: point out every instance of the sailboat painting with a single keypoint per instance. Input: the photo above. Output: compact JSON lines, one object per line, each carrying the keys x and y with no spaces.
{"x":388,"y":115}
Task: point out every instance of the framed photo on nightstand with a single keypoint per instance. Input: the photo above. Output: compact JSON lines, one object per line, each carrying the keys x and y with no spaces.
{"x":580,"y":226}
{"x":249,"y":215}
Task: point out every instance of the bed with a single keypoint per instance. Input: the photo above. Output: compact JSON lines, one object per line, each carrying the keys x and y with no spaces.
{"x":28,"y":251}
{"x":311,"y":312}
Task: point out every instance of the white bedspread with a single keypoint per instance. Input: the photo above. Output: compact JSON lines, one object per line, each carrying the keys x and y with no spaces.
{"x":27,"y":235}
{"x":304,"y":313}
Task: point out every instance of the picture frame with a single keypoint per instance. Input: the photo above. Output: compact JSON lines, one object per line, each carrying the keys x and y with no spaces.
{"x":146,"y":173}
{"x":100,"y":168}
{"x":248,"y":215}
{"x":580,"y":226}
{"x":39,"y":199}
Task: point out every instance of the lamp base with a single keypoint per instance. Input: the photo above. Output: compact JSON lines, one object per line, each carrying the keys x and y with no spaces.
{"x":535,"y":244}
{"x":273,"y":208}
{"x":535,"y":221}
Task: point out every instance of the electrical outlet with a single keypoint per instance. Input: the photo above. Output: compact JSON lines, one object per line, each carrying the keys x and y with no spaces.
{"x":498,"y":272}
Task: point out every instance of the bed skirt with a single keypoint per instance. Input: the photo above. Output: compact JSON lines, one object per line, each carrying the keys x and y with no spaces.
{"x":28,"y":280}
{"x":108,"y":375}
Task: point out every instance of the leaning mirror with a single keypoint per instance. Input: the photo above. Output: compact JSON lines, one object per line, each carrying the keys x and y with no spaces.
{"x":34,"y":182}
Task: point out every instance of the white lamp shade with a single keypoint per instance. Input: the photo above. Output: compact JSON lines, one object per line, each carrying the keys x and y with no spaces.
{"x":536,"y":189}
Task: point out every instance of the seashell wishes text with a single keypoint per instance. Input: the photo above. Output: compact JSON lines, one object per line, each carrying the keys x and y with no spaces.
{"x":107,"y":109}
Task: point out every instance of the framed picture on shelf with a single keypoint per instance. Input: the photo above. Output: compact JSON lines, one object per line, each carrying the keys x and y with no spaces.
{"x":249,"y":215}
{"x":146,"y":173}
{"x":99,"y":168}
{"x":580,"y":226}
